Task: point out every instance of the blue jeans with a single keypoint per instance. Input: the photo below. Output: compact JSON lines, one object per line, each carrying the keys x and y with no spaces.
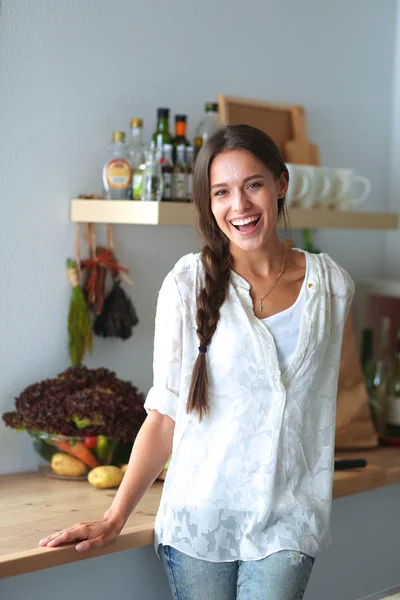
{"x":283,"y":575}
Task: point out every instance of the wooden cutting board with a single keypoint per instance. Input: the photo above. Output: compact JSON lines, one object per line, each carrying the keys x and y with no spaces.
{"x":300,"y":150}
{"x":285,"y":124}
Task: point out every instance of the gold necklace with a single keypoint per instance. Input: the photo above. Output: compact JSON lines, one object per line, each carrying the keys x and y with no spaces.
{"x":260,"y":308}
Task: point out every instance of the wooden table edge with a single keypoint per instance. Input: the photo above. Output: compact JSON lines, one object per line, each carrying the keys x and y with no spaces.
{"x":40,"y":558}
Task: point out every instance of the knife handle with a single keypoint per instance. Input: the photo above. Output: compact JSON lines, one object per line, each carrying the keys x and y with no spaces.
{"x":350,"y":463}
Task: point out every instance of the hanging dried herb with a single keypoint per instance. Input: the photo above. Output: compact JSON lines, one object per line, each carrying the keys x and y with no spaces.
{"x":79,"y":325}
{"x":118,"y":316}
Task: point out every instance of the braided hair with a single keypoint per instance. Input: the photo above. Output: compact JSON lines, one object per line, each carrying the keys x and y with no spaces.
{"x":215,"y":253}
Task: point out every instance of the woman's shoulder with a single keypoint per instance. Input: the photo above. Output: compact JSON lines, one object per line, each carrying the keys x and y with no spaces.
{"x":184,"y":274}
{"x":333,"y":276}
{"x":187,"y":264}
{"x":186,"y":268}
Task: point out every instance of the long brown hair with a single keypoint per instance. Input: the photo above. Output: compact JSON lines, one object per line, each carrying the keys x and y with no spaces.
{"x":215,"y":254}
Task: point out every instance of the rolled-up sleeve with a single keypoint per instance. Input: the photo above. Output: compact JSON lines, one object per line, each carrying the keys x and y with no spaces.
{"x":167,"y":357}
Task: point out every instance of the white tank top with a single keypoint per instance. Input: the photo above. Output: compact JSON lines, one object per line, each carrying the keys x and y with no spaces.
{"x":285,"y":329}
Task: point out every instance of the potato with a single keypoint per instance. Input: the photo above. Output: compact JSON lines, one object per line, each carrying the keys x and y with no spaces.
{"x":105,"y":477}
{"x":124,"y":468}
{"x":64,"y":464}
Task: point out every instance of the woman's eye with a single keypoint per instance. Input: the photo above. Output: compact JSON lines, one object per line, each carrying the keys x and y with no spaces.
{"x":255,"y":184}
{"x":220,"y":193}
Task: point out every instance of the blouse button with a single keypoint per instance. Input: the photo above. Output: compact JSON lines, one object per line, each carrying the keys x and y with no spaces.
{"x":310,"y":285}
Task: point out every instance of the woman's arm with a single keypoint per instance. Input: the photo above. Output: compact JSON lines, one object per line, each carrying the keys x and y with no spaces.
{"x":150,"y":452}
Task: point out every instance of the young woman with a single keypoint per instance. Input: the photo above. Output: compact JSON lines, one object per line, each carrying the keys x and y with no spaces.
{"x":247,"y":348}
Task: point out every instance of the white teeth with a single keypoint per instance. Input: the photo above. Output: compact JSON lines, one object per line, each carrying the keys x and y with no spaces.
{"x":237,"y":222}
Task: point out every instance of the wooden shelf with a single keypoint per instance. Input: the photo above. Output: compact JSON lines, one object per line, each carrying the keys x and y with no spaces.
{"x":181,"y":213}
{"x":337,"y":219}
{"x":132,"y":212}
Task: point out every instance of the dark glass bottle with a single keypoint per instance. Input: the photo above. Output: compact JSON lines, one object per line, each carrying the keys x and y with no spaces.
{"x":180,"y":138}
{"x":162,"y":134}
{"x":382,"y":377}
{"x":368,"y":365}
{"x":393,"y":420}
{"x":167,"y":170}
{"x":367,"y":348}
{"x":189,"y":172}
{"x":179,"y":176}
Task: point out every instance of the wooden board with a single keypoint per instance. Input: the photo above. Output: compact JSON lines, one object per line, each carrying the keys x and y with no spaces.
{"x":285,"y":124}
{"x":273,"y":119}
{"x":300,"y":150}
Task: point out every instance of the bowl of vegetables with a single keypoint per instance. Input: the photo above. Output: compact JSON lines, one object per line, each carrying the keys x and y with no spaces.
{"x":88,"y":415}
{"x":88,"y":451}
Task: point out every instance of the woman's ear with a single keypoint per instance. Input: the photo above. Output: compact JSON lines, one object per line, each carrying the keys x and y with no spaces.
{"x":283,"y":185}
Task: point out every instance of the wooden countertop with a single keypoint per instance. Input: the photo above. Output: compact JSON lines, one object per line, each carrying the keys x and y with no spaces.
{"x":32,"y":506}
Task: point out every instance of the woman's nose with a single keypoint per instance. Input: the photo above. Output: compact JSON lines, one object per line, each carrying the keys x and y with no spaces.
{"x":240,"y":201}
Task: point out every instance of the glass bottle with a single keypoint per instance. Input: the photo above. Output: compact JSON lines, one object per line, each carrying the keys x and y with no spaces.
{"x":382,"y":378}
{"x":136,"y":157}
{"x":180,"y":134}
{"x":179,"y":175}
{"x":198,"y":142}
{"x":368,"y":365}
{"x":117,"y":172}
{"x":393,"y":420}
{"x":210,"y":123}
{"x":152,"y":176}
{"x":167,"y":170}
{"x":189,"y":172}
{"x":367,"y":347}
{"x":162,"y":134}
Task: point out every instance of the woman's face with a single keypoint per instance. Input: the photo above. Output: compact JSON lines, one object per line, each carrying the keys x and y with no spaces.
{"x":244,"y":198}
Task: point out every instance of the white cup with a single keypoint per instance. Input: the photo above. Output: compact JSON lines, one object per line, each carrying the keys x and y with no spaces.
{"x":299,"y":184}
{"x":344,"y":185}
{"x":320,"y":189}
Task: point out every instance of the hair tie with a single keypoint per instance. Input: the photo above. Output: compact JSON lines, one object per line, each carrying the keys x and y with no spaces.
{"x":203,"y":349}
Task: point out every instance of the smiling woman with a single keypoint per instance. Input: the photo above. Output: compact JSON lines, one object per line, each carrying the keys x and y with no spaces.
{"x":246,"y":359}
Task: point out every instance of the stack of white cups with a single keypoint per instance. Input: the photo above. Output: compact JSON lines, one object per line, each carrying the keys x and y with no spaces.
{"x":325,"y":188}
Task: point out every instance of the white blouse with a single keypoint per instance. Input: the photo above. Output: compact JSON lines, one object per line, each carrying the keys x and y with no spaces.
{"x":255,"y":476}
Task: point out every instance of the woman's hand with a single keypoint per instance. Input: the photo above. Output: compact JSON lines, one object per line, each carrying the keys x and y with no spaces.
{"x":97,"y":534}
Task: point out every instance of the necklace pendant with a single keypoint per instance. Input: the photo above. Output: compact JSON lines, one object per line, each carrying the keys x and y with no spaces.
{"x":260,"y":308}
